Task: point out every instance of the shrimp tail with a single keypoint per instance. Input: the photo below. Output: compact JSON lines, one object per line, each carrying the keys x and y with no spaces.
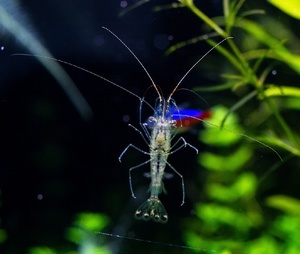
{"x":153,"y":209}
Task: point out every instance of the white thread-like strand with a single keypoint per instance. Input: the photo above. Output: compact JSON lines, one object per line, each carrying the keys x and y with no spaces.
{"x":154,"y":242}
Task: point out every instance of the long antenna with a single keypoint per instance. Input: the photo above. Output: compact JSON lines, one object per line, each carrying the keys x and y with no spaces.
{"x":193,"y":66}
{"x":85,"y":70}
{"x":134,"y":55}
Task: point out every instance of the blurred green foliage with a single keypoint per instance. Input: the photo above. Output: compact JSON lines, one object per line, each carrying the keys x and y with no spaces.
{"x":290,"y":7}
{"x":83,"y":234}
{"x":235,"y":216}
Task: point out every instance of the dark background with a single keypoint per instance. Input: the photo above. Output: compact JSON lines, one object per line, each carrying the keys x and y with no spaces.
{"x":48,"y":149}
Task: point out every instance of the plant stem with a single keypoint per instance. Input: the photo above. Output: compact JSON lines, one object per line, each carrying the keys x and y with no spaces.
{"x":190,"y":4}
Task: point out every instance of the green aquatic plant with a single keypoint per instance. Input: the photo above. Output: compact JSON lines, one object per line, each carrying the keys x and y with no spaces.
{"x":83,"y":235}
{"x":249,"y":71}
{"x":234,"y":215}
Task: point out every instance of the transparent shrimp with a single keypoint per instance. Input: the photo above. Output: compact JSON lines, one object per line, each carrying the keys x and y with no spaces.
{"x":161,"y":125}
{"x":158,"y":133}
{"x":159,"y":140}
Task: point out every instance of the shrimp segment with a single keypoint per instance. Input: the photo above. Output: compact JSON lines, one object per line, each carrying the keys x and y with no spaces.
{"x":153,"y":209}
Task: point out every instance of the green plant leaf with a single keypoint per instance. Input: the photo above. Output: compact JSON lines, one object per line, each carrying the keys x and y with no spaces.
{"x":282,"y":91}
{"x":91,"y":221}
{"x":226,"y":53}
{"x":287,"y":228}
{"x":290,"y":7}
{"x":214,"y":135}
{"x":219,"y":215}
{"x":244,"y":186}
{"x":282,"y":143}
{"x":41,"y":250}
{"x":284,"y":203}
{"x":233,"y":162}
{"x":264,"y":37}
{"x":264,"y":244}
{"x":85,"y":225}
{"x":291,"y":103}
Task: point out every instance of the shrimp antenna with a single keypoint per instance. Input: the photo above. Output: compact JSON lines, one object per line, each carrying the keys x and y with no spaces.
{"x":85,"y":70}
{"x":139,"y":61}
{"x":193,"y":66}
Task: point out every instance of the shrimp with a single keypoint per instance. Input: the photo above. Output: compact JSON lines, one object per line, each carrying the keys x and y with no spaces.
{"x":162,"y":126}
{"x":158,"y":132}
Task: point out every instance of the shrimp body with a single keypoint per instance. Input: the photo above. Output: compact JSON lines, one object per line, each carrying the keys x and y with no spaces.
{"x":162,"y":126}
